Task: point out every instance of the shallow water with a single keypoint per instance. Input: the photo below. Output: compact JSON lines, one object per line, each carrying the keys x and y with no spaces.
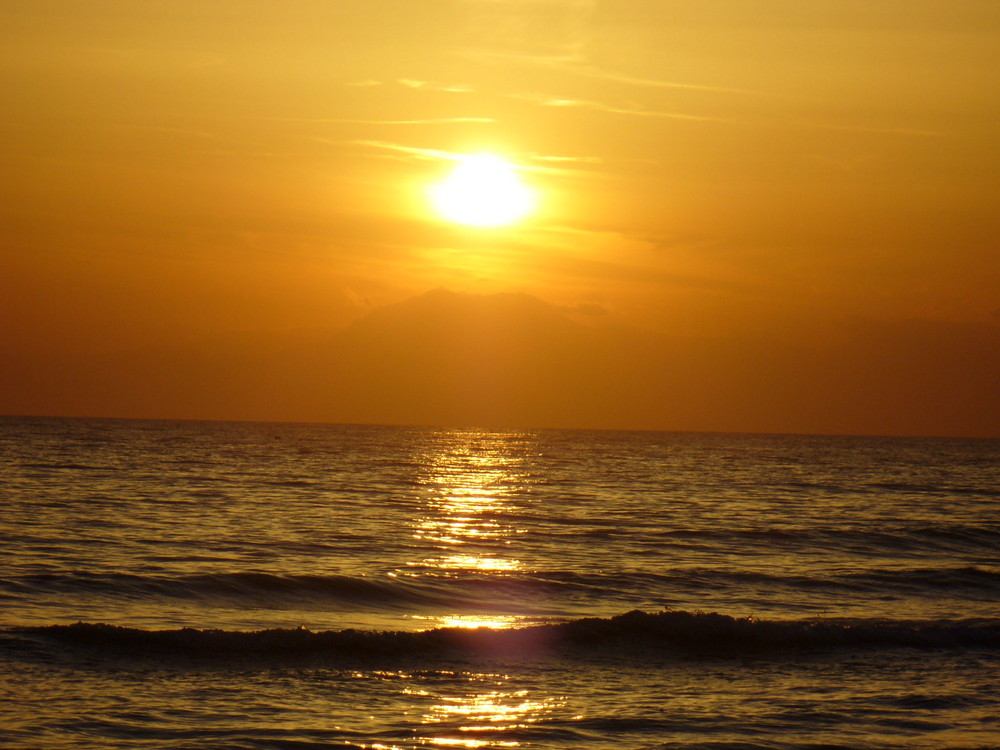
{"x":857,"y":582}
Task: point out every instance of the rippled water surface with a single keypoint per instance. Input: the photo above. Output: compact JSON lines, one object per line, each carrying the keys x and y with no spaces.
{"x":855,"y":582}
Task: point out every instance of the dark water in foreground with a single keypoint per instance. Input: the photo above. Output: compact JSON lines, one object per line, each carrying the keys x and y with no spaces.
{"x":209,"y":585}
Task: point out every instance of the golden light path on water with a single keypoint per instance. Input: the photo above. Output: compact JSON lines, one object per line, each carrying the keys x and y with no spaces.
{"x":468,"y":485}
{"x":478,"y":715}
{"x":471,"y":485}
{"x":486,"y":712}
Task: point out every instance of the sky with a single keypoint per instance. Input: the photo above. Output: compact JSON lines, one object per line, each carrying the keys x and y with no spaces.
{"x":779,"y":216}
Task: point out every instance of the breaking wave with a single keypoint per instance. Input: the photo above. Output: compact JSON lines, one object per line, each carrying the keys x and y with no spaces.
{"x":634,"y":634}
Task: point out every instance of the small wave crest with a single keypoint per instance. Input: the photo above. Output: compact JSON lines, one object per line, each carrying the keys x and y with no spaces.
{"x":485,"y":591}
{"x":421,"y":588}
{"x":634,"y":634}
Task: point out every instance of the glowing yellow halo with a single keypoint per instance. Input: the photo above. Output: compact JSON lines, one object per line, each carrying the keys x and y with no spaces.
{"x":482,"y":191}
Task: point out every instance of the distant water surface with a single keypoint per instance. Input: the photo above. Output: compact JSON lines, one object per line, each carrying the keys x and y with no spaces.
{"x":792,"y":591}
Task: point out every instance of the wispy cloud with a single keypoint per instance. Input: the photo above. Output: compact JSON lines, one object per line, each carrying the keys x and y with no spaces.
{"x":426,"y":154}
{"x":549,"y":101}
{"x":590,"y":71}
{"x":544,"y":162}
{"x":559,"y":164}
{"x":414,"y":83}
{"x":577,"y":65}
{"x":566,"y":159}
{"x":451,"y":88}
{"x":414,"y":121}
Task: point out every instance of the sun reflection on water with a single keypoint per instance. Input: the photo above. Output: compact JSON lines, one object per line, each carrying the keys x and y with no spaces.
{"x":472,"y":486}
{"x":496,"y":622}
{"x":486,"y":713}
{"x":469,"y":491}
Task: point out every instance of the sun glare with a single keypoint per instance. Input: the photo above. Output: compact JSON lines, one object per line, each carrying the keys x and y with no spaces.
{"x":483,"y":191}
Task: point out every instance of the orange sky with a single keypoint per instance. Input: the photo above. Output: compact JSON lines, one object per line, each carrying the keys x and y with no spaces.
{"x":793,"y":203}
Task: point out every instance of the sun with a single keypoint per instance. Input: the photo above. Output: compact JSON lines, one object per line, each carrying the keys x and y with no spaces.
{"x":483,"y":190}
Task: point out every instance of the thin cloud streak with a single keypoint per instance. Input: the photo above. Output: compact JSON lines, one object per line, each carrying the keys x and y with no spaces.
{"x":575,"y":165}
{"x":573,"y":64}
{"x":414,"y":83}
{"x":571,"y":159}
{"x":545,"y":101}
{"x":427,"y":154}
{"x":415,"y":121}
{"x":590,"y":71}
{"x":551,"y":101}
{"x":433,"y":86}
{"x":599,"y":106}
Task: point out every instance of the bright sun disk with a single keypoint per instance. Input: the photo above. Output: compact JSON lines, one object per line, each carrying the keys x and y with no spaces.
{"x":482,"y":191}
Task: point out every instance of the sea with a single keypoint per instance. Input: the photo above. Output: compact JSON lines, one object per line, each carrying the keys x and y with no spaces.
{"x":168,"y":584}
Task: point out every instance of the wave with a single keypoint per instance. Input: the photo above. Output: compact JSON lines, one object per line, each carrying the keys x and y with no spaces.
{"x":953,"y":538}
{"x":514,"y":591}
{"x":66,"y":466}
{"x":918,"y":582}
{"x":635,"y":634}
{"x":486,"y":591}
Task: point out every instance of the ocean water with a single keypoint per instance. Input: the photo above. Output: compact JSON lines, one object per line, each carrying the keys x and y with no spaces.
{"x":223,"y":585}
